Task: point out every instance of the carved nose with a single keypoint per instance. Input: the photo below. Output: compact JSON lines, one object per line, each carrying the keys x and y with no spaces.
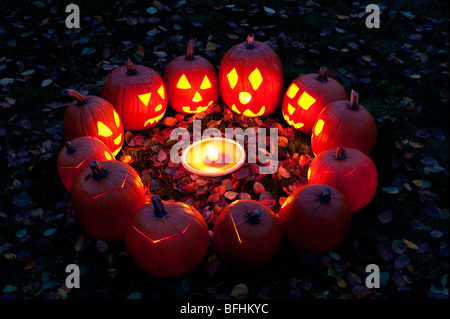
{"x":245,"y":97}
{"x":197,"y":97}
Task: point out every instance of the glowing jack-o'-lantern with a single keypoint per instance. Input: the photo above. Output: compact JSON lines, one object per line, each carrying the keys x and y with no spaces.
{"x":191,"y":82}
{"x":307,"y":95}
{"x":92,"y":116}
{"x":76,"y":156}
{"x":251,"y":78}
{"x":139,"y":95}
{"x":344,"y":123}
{"x":167,"y":239}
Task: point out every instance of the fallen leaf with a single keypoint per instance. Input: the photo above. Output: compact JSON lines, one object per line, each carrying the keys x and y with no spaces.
{"x":240,"y":291}
{"x":258,"y":188}
{"x":390,"y":190}
{"x":410,"y":244}
{"x":169,"y":121}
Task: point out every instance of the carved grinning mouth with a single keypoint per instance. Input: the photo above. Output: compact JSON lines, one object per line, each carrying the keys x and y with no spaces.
{"x":198,"y":109}
{"x":248,"y":112}
{"x":154,"y":119}
{"x":292,"y":123}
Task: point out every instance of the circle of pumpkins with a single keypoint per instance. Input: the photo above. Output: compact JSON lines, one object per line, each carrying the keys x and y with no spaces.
{"x":167,"y":239}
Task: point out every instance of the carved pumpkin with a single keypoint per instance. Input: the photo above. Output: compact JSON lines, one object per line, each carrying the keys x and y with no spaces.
{"x":92,"y":116}
{"x":167,"y":239}
{"x":247,"y":233}
{"x":307,"y":95}
{"x":251,"y":78}
{"x":315,"y":218}
{"x":76,"y":156}
{"x":346,"y":124}
{"x":105,"y":198}
{"x":191,"y":82}
{"x":350,"y":171}
{"x":139,"y":95}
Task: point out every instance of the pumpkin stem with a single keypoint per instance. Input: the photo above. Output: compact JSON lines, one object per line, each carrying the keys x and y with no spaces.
{"x":131,"y":69}
{"x":158,"y":208}
{"x":74,"y":94}
{"x":354,"y":101}
{"x":252,"y":217}
{"x":325,"y":197}
{"x":322,"y":77}
{"x":70,"y":148}
{"x":340,"y":153}
{"x":190,"y":50}
{"x":98,"y":172}
{"x":250,"y":44}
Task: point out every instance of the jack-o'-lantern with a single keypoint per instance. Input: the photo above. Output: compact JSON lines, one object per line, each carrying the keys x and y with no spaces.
{"x":92,"y":116}
{"x":349,"y":170}
{"x":307,"y":95}
{"x":346,"y":124}
{"x":139,"y":95}
{"x":315,"y":218}
{"x":76,"y":156}
{"x":247,"y":233}
{"x":105,"y":198}
{"x":167,"y":239}
{"x":191,"y":82}
{"x":251,"y":78}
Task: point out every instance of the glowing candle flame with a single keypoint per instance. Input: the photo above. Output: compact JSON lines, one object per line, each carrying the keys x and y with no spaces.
{"x":213,"y":154}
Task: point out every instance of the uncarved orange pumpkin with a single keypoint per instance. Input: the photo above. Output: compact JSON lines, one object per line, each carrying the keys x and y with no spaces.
{"x":92,"y":116}
{"x":191,"y":82}
{"x":251,"y":78}
{"x":139,"y":95}
{"x":349,"y":170}
{"x":346,"y":124}
{"x":76,"y":156}
{"x":307,"y":95}
{"x":247,"y":233}
{"x":315,"y":218}
{"x":105,"y":198}
{"x":167,"y":239}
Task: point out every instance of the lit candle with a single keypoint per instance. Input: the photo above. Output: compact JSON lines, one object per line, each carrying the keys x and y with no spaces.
{"x":213,"y":157}
{"x":213,"y":154}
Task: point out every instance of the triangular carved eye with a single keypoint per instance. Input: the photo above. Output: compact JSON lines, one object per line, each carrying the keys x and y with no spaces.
{"x":183,"y":83}
{"x":103,"y":130}
{"x":161,"y":92}
{"x":145,"y":98}
{"x":232,"y":78}
{"x":255,"y":79}
{"x":205,"y":83}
